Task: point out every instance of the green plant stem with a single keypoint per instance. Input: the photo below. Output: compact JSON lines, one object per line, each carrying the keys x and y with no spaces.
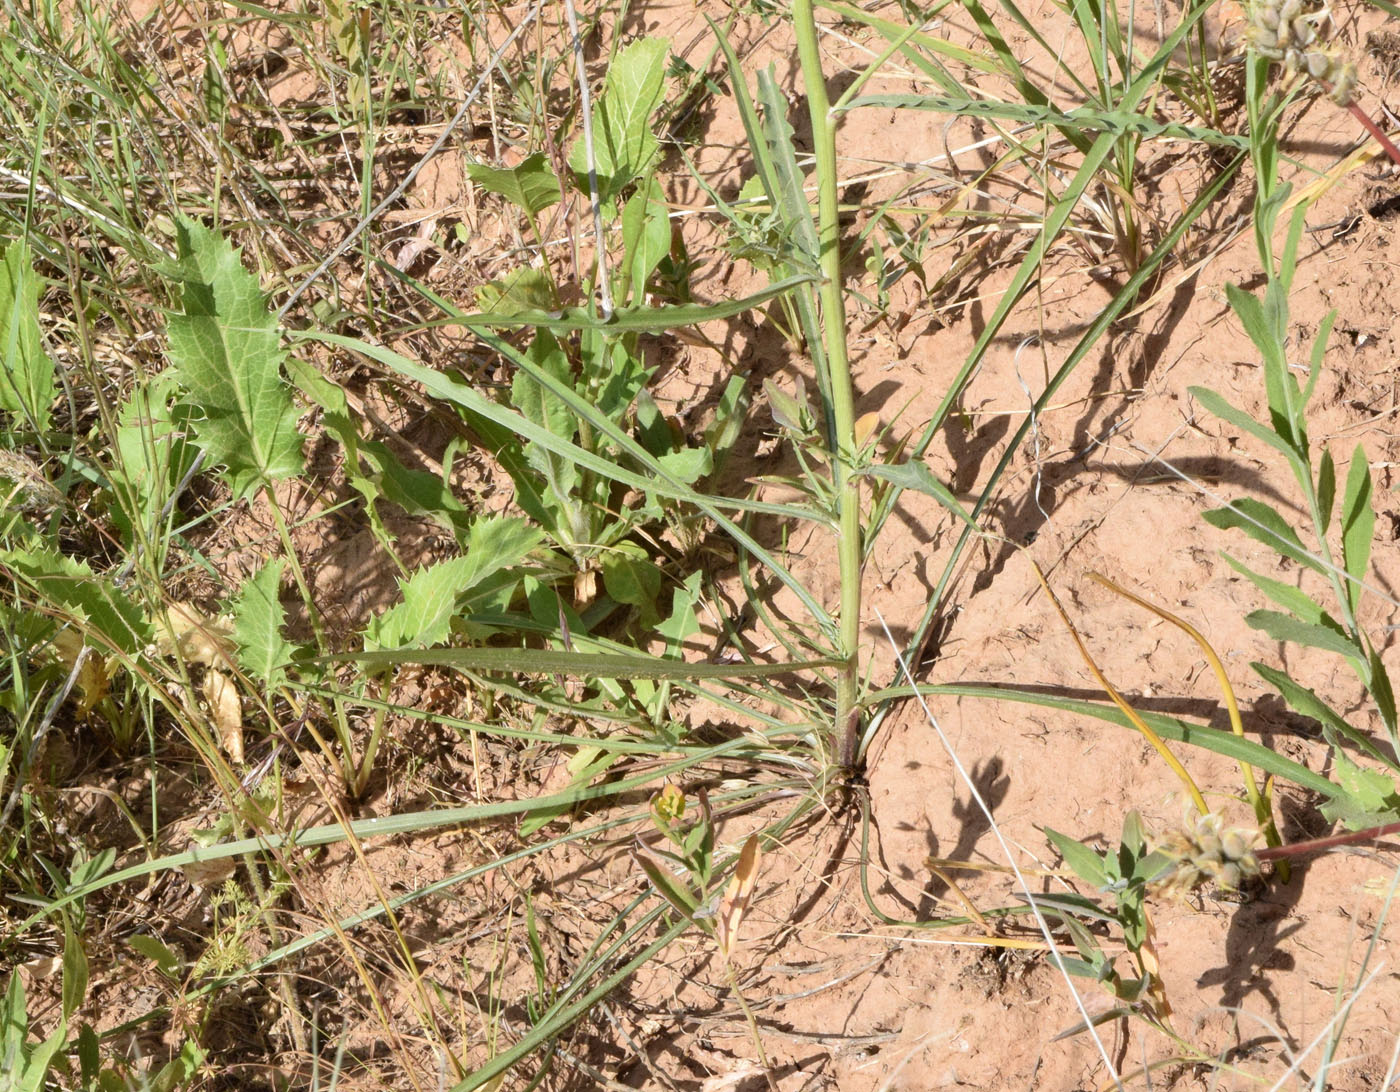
{"x":833,"y":317}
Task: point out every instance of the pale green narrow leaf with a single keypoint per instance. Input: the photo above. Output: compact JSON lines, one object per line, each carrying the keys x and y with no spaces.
{"x":1285,"y":595}
{"x":75,"y":968}
{"x":632,"y":319}
{"x":1072,"y":123}
{"x":26,"y":373}
{"x":258,"y":617}
{"x":916,"y":475}
{"x":790,"y":196}
{"x":623,"y":143}
{"x":530,"y":185}
{"x":1358,"y":524}
{"x":1383,"y":694}
{"x":1253,"y":318}
{"x":1172,"y":729}
{"x":152,"y":455}
{"x":227,"y":353}
{"x":165,"y":959}
{"x":577,"y":664}
{"x":1263,"y":524}
{"x":646,"y":238}
{"x":1305,"y":701}
{"x":1222,"y":409}
{"x":1087,"y":864}
{"x":1326,"y":490}
{"x":1284,"y":627}
{"x":16,"y":1026}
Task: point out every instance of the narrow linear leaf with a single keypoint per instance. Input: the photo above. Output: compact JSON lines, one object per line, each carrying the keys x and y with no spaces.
{"x":916,"y":475}
{"x":1319,"y":351}
{"x":75,"y":968}
{"x":165,"y":959}
{"x":1358,"y":524}
{"x":1326,"y":489}
{"x":1383,"y":693}
{"x":1084,"y":120}
{"x":1243,"y":421}
{"x":1255,"y":321}
{"x":1263,"y":523}
{"x":586,"y":665}
{"x":668,"y":885}
{"x":1305,"y":701}
{"x":639,"y":319}
{"x":1172,"y":729}
{"x":1285,"y":595}
{"x":1284,"y":627}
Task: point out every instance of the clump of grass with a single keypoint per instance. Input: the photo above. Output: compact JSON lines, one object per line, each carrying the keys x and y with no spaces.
{"x":575,"y":614}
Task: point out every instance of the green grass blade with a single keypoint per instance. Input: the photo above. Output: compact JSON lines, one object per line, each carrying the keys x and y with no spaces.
{"x":1169,"y":728}
{"x":1120,"y":303}
{"x":626,"y":320}
{"x":1084,"y":120}
{"x":574,"y":664}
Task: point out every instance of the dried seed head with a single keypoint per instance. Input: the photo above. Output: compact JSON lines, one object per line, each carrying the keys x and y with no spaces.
{"x":1205,"y":851}
{"x":1292,"y":33}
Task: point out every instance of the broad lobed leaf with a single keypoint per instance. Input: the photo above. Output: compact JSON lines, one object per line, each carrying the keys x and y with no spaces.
{"x":227,"y":353}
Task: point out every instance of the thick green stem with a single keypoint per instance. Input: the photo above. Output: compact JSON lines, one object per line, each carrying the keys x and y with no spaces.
{"x":833,"y":320}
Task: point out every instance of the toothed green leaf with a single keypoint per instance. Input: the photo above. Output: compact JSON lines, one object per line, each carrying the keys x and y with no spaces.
{"x":228,"y":355}
{"x":27,"y":386}
{"x":258,"y":617}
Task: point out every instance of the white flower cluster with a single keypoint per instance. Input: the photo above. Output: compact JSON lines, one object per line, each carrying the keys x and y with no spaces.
{"x":1292,"y":31}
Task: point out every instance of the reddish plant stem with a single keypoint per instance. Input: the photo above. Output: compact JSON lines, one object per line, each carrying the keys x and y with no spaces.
{"x":1319,"y":845}
{"x":1375,"y":130}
